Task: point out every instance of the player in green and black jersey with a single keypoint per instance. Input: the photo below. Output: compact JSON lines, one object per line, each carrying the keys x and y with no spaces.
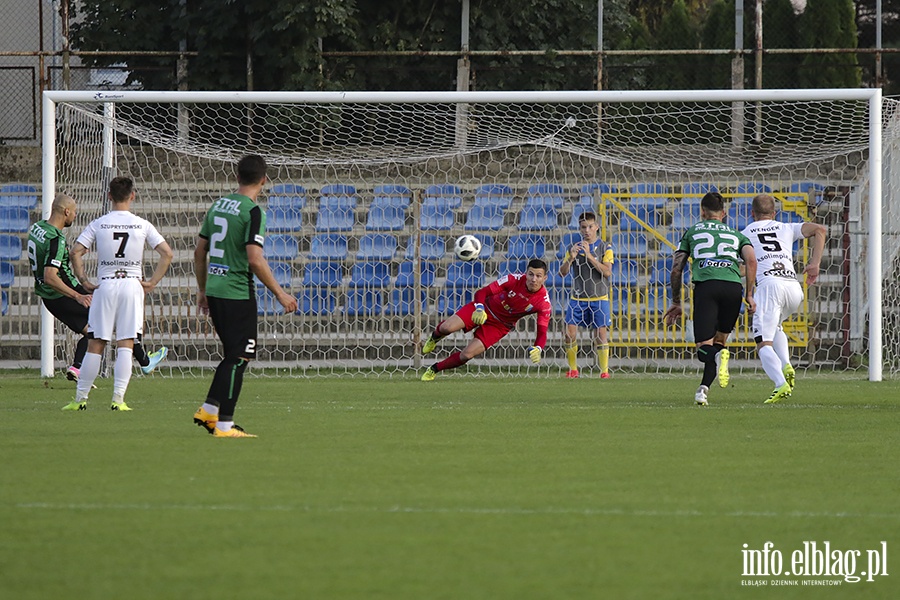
{"x":229,"y":253}
{"x":56,"y":285}
{"x":716,"y":251}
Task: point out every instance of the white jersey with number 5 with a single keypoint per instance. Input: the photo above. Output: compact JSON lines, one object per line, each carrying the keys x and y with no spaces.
{"x":120,"y":237}
{"x":773,"y":242}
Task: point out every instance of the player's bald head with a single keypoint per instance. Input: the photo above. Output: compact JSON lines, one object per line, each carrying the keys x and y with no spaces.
{"x":763,"y":205}
{"x":61,"y":202}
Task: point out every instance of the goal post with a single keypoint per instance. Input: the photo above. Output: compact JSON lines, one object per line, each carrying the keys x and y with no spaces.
{"x":440,"y":163}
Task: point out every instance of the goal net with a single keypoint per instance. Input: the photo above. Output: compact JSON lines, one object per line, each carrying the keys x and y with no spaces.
{"x":367,"y":192}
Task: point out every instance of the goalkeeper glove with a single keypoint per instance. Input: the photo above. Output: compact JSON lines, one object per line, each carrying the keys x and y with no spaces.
{"x":534,"y":353}
{"x":479,"y":316}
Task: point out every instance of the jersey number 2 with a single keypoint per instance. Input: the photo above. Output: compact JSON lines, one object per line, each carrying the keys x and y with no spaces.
{"x":217,"y":237}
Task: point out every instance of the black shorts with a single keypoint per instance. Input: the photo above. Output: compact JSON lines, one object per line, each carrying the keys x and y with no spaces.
{"x":69,"y":312}
{"x":717,"y":305}
{"x":235,"y":322}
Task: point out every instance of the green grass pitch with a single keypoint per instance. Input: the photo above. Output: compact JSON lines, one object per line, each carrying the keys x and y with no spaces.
{"x":464,"y":488}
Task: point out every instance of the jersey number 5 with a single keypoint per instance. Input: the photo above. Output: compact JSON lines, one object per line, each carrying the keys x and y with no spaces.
{"x":769,"y":242}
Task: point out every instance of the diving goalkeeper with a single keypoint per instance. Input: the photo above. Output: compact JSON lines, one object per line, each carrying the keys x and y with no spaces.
{"x":493,"y":313}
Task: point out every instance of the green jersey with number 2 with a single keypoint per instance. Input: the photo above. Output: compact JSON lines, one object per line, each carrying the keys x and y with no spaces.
{"x":715,"y":249}
{"x":231,"y":224}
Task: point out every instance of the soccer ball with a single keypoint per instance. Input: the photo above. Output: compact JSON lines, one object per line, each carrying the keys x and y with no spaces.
{"x":467,"y":247}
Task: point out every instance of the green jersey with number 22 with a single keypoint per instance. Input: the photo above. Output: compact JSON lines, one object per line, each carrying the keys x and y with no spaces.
{"x":715,"y":249}
{"x":231,"y":223}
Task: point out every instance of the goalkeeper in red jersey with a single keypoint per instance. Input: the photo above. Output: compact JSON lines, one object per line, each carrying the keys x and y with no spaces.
{"x":493,"y":313}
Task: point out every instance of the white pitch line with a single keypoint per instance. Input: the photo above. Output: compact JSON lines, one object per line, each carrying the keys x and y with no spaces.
{"x":502,"y":511}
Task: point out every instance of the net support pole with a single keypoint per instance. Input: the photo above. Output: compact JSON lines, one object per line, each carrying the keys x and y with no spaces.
{"x":48,"y":190}
{"x":875,"y":228}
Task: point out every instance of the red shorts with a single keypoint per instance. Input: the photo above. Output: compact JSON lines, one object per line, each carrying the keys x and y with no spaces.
{"x":490,"y":333}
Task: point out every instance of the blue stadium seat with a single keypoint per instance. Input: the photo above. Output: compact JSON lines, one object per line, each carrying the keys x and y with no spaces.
{"x":7,"y":274}
{"x":537,"y":217}
{"x":686,"y":213}
{"x":650,"y":189}
{"x":494,"y":194}
{"x":516,"y":265}
{"x":546,"y":194}
{"x":340,"y":194}
{"x":18,"y":195}
{"x":280,"y":247}
{"x":437,"y":214}
{"x":619,"y":299}
{"x":364,"y":302}
{"x":284,"y":219}
{"x":266,"y":304}
{"x":451,"y":193}
{"x":589,"y":190}
{"x":567,"y":241}
{"x":624,"y":272}
{"x":14,"y":219}
{"x":698,"y":189}
{"x":738,"y":216}
{"x":554,"y":278}
{"x":335,"y":214}
{"x":487,"y":246}
{"x":431,"y":247}
{"x":406,"y":275}
{"x":559,"y":287}
{"x":789,"y":217}
{"x":661,"y":270}
{"x":4,"y":302}
{"x":328,"y":246}
{"x":586,"y":204}
{"x":281,"y":271}
{"x":386,"y":214}
{"x":485,"y":217}
{"x":629,"y":245}
{"x":377,"y":246}
{"x":752,"y":188}
{"x":317,"y":301}
{"x":401,"y":302}
{"x":323,"y":274}
{"x":286,"y":196}
{"x":525,"y":247}
{"x":655,"y":299}
{"x":465,"y":275}
{"x":646,"y":209}
{"x":10,"y":247}
{"x":395,"y":193}
{"x":370,"y":275}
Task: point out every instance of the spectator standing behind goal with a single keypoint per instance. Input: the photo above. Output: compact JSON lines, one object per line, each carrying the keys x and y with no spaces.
{"x":778,"y":292}
{"x":715,"y":249}
{"x":118,"y":302}
{"x":55,"y":284}
{"x":590,"y":261}
{"x":229,"y":252}
{"x":493,"y":313}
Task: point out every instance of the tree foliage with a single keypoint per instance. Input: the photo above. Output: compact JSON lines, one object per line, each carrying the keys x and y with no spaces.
{"x":829,"y":24}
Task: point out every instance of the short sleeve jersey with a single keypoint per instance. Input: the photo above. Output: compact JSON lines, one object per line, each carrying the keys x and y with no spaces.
{"x":120,"y":237}
{"x":587,"y":282}
{"x":47,"y":248}
{"x":231,"y":224}
{"x":773,"y":242}
{"x":715,"y":249}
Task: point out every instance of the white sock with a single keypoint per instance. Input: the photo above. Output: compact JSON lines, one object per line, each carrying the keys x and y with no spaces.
{"x":780,"y":344}
{"x":90,"y":368}
{"x":122,"y":374}
{"x":772,"y":365}
{"x":213,"y":410}
{"x":224,"y":425}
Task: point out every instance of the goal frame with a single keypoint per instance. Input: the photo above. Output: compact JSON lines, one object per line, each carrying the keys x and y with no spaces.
{"x":873,"y":98}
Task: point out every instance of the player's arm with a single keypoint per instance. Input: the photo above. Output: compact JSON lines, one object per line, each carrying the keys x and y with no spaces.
{"x":260,"y":268}
{"x":819,"y":232}
{"x":603,"y":265}
{"x":78,"y":252}
{"x":201,"y":250}
{"x":566,"y":264}
{"x":162,"y":265}
{"x":679,"y":260}
{"x":51,"y":278}
{"x":749,"y":256}
{"x":536,"y":352}
{"x":479,"y":317}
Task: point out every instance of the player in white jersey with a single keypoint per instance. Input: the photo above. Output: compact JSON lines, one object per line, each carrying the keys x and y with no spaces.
{"x":778,"y":291}
{"x":118,"y":303}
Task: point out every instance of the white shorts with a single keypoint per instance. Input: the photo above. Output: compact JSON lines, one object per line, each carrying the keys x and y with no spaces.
{"x":775,"y":302}
{"x":118,"y":304}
